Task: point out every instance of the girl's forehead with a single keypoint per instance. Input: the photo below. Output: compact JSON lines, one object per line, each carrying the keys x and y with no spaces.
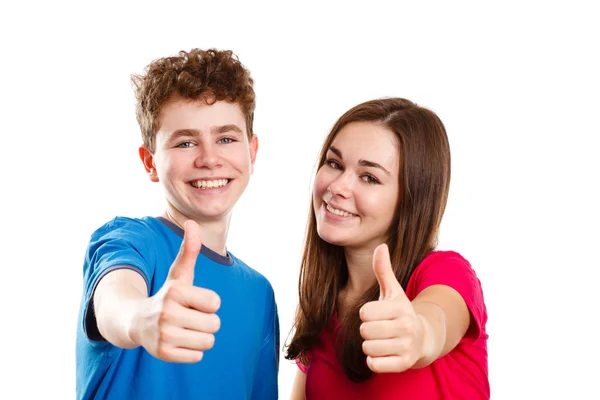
{"x":366,"y":140}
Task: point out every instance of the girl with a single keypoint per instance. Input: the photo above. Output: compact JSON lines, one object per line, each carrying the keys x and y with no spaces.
{"x":382,"y":314}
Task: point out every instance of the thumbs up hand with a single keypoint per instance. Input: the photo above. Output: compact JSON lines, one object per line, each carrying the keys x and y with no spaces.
{"x":177,"y":323}
{"x":392,"y":330}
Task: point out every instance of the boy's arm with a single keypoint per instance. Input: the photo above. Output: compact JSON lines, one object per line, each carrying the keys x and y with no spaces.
{"x":117,"y":299}
{"x":176,"y":324}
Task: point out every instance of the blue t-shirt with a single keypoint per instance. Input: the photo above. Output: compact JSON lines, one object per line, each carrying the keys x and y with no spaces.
{"x":244,"y":360}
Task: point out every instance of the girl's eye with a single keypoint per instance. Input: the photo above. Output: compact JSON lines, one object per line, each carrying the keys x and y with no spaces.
{"x":370,"y":179}
{"x":225,"y":140}
{"x":334,"y":164}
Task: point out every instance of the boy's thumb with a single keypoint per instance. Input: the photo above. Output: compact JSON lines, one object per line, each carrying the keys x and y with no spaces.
{"x":183,"y":267}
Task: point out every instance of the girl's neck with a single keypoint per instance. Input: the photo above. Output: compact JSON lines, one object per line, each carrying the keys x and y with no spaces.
{"x":360,"y":271}
{"x":360,"y":278}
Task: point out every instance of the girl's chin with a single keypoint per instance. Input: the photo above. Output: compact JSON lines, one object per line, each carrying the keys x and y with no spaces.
{"x":336,"y":240}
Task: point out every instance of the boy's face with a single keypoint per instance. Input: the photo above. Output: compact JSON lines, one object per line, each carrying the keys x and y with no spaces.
{"x":203,"y":158}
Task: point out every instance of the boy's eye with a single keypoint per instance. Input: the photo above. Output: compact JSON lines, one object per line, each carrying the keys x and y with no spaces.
{"x":226,"y":140}
{"x":185,"y":144}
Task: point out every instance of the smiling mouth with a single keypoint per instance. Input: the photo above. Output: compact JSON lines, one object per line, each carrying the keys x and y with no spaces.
{"x":341,"y":213}
{"x":210,"y":184}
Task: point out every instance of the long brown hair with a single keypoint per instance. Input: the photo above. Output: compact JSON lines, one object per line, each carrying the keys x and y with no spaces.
{"x":424,"y":179}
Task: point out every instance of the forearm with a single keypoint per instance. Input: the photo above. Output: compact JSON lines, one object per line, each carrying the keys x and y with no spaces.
{"x":434,"y":327}
{"x":117,"y":301}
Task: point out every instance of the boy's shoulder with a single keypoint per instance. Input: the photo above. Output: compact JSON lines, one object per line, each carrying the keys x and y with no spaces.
{"x":251,"y":273}
{"x":128,"y":228}
{"x":128,"y":224}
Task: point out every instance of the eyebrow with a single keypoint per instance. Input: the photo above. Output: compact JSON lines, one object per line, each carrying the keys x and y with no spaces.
{"x":226,"y":128}
{"x":364,"y":163}
{"x":214,"y":130}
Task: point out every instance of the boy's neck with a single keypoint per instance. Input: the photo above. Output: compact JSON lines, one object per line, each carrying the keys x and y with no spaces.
{"x":214,"y":233}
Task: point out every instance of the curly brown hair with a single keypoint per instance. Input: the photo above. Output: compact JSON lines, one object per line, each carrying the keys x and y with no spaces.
{"x":210,"y":75}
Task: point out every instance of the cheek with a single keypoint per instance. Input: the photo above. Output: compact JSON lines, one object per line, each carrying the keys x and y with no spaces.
{"x":320,"y":185}
{"x":240,"y":158}
{"x":171,"y":167}
{"x":378,"y":204}
{"x":366,"y":203}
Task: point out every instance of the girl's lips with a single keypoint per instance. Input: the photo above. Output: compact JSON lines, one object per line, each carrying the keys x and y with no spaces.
{"x":332,"y":208}
{"x":336,"y":217}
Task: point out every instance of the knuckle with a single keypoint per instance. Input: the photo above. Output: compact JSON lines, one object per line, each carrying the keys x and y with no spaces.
{"x":403,"y":364}
{"x":216,"y":301}
{"x":362,"y":313}
{"x":366,"y":347}
{"x":163,"y":353}
{"x":199,"y":356}
{"x":165,"y":316}
{"x":164,"y":337}
{"x":171,"y":291}
{"x":363,"y":330}
{"x":405,"y":344}
{"x":396,"y":330}
{"x":215,"y":323}
{"x":374,"y":365}
{"x":406,"y":323}
{"x":398,"y":365}
{"x":209,"y":342}
{"x":411,"y":329}
{"x":398,"y":308}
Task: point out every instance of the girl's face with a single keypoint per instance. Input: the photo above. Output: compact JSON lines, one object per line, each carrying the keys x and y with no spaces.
{"x":356,"y":190}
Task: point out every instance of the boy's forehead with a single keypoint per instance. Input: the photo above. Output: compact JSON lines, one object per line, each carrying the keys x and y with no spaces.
{"x":197,"y":115}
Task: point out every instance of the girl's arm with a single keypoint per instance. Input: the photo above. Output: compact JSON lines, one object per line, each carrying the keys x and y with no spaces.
{"x":298,"y":388}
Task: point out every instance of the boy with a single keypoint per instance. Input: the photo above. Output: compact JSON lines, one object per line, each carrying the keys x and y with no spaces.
{"x":167,"y":310}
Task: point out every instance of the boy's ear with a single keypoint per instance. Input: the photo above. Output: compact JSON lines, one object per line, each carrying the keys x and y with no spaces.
{"x":253,"y":150}
{"x":148,"y":160}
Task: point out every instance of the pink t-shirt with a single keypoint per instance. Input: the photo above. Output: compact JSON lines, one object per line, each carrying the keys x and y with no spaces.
{"x":460,"y":374}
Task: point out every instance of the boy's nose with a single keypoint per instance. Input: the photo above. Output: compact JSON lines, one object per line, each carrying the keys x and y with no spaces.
{"x":207,"y":157}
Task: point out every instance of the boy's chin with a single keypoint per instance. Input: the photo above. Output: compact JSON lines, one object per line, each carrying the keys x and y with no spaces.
{"x":215,"y":215}
{"x":212,"y":213}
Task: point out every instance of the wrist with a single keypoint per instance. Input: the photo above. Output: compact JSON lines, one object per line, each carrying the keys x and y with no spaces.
{"x":428,"y":344}
{"x":133,"y":329}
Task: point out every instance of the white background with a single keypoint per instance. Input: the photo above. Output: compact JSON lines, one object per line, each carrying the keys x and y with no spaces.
{"x":517,"y":85}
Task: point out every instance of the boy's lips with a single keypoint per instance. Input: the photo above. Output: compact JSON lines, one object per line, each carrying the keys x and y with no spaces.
{"x":210,"y":183}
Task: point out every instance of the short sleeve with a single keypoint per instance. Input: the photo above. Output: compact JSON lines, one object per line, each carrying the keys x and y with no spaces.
{"x":451,"y":269}
{"x":120,"y":243}
{"x":302,"y":367}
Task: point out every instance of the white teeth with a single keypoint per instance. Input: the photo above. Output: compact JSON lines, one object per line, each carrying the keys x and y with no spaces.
{"x":217,"y":183}
{"x":338,"y":212}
